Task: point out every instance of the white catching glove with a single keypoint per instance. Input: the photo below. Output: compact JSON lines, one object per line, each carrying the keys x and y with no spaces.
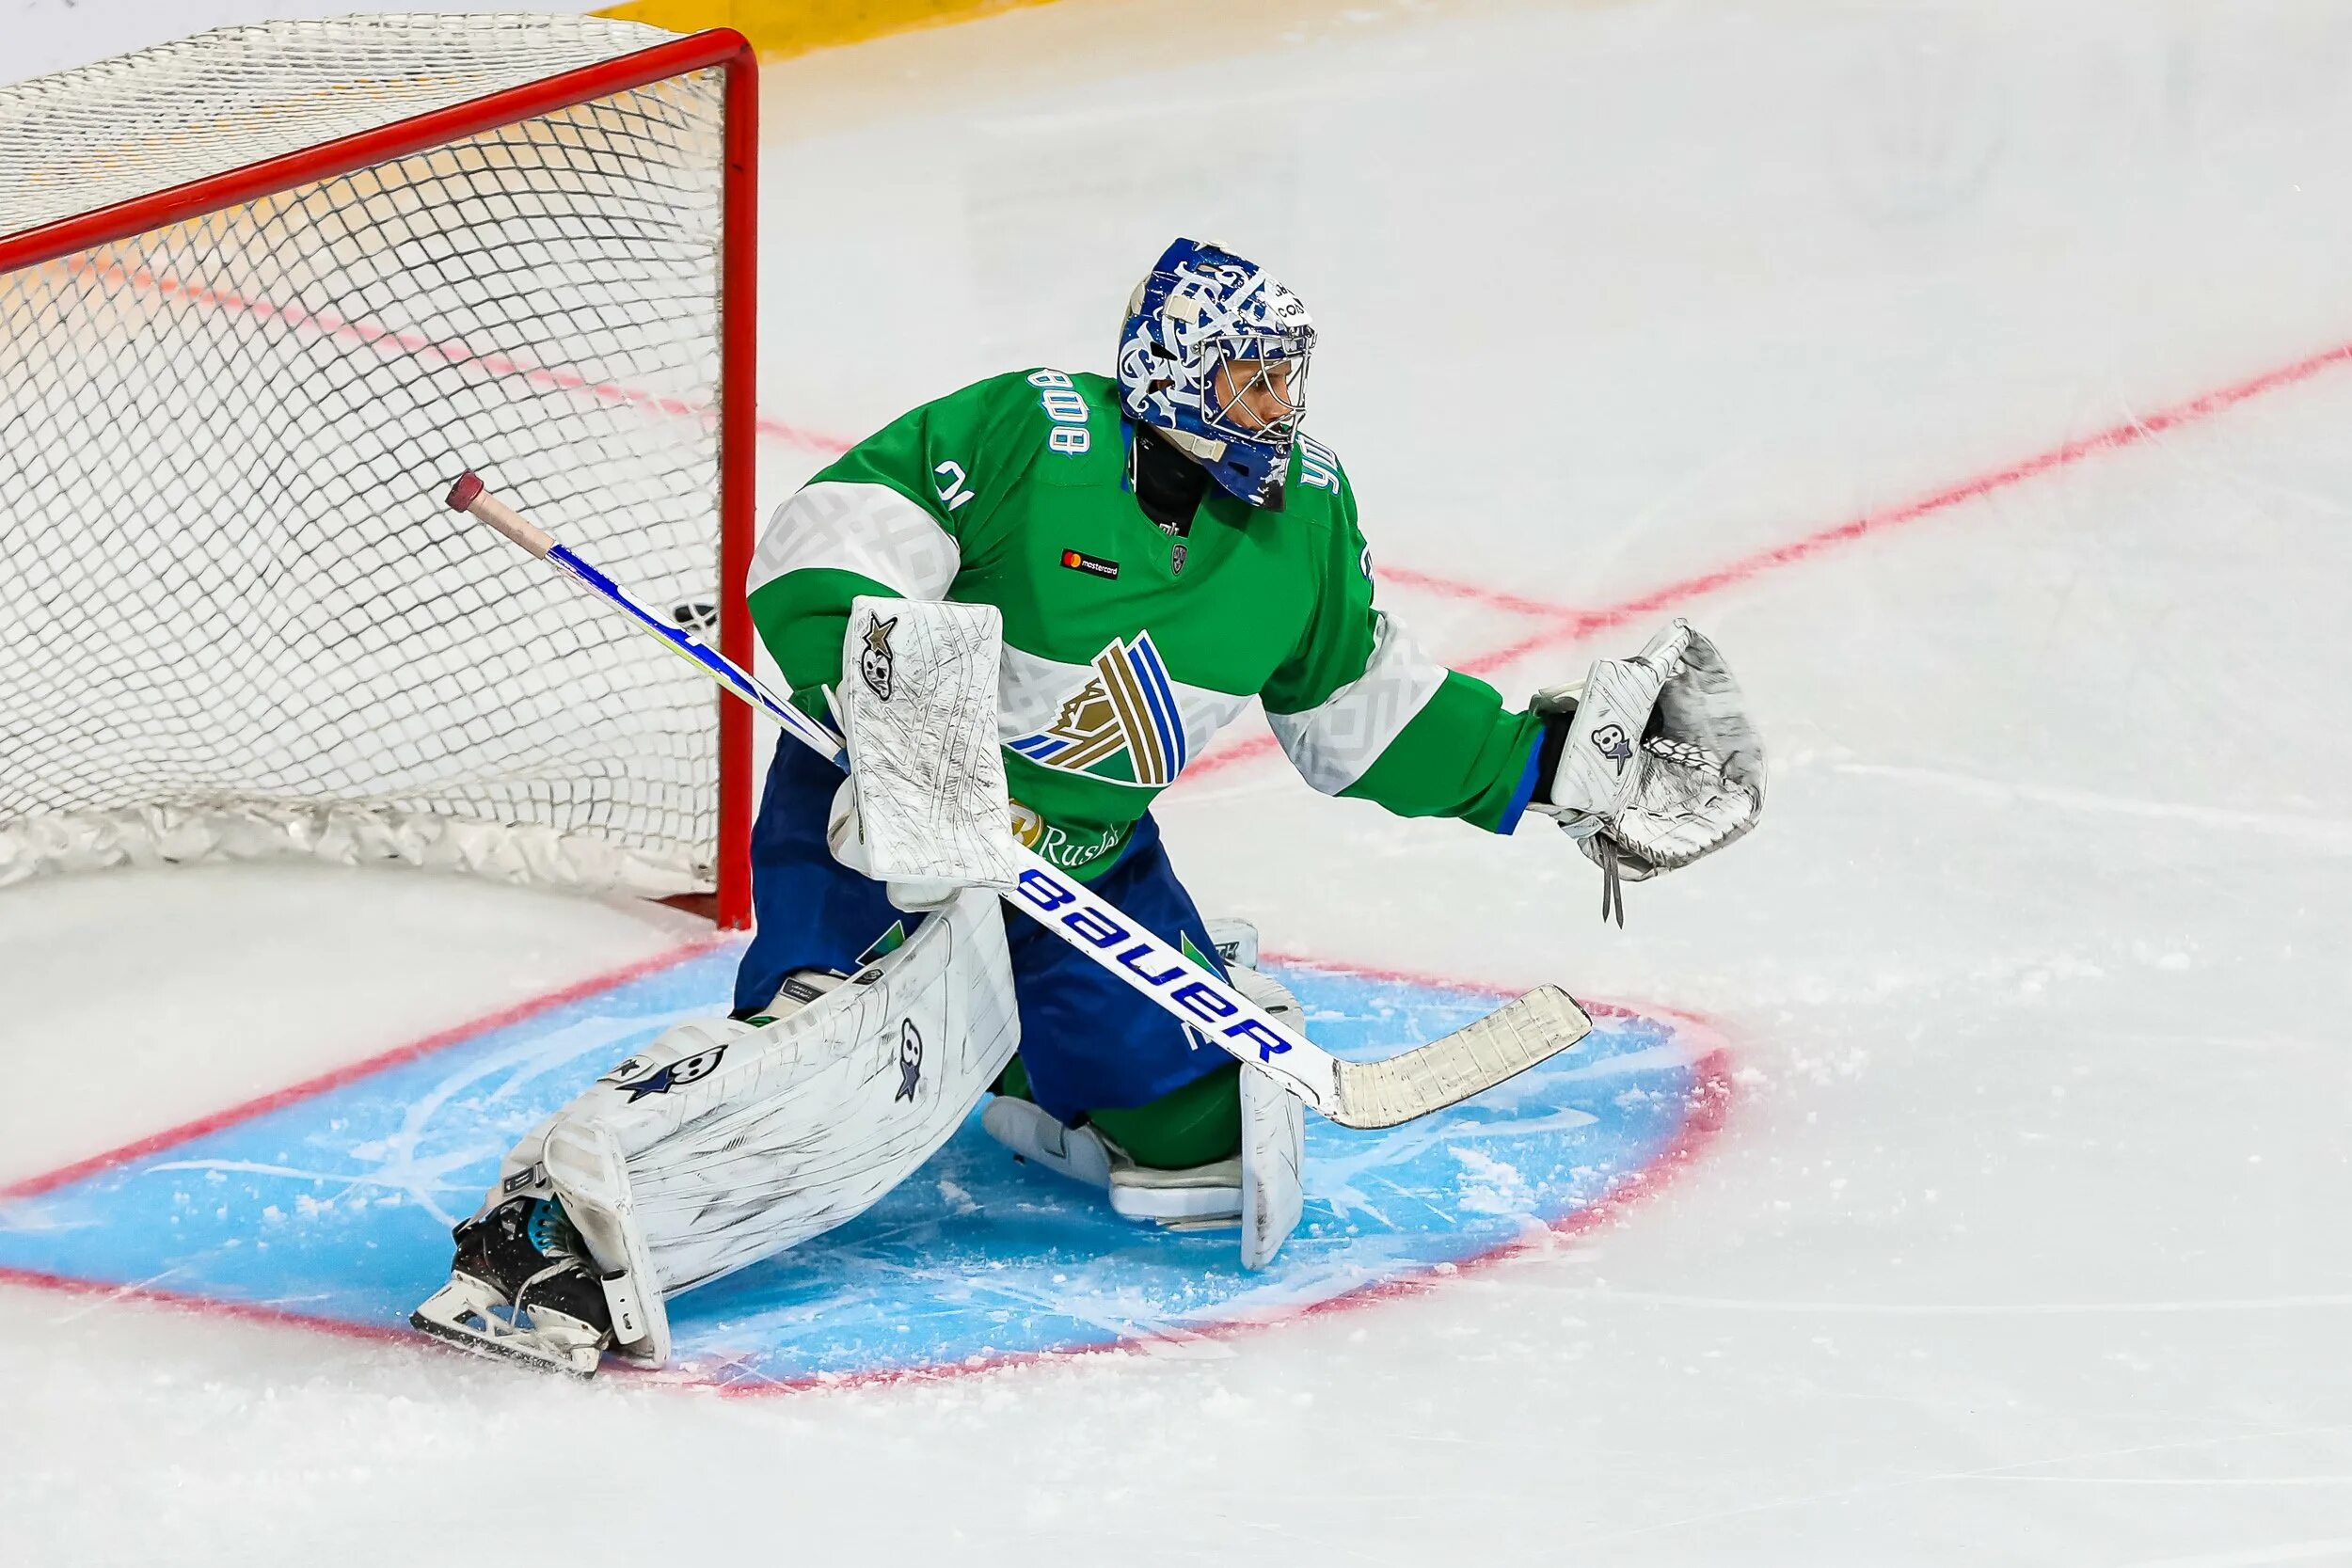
{"x":1658,"y":764}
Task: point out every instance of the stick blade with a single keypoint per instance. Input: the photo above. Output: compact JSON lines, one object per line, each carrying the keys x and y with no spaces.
{"x":1448,"y":1069}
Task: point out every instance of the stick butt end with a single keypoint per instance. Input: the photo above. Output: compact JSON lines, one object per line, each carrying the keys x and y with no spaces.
{"x":463,"y":493}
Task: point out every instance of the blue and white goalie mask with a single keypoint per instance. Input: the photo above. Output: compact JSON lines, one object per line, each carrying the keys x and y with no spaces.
{"x":1213,"y":354}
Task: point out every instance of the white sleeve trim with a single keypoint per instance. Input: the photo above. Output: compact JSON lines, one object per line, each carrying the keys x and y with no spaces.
{"x":1335,"y":742}
{"x":867,"y":528}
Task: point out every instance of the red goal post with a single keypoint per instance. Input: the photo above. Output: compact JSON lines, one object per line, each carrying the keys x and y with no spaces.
{"x":259,"y":290}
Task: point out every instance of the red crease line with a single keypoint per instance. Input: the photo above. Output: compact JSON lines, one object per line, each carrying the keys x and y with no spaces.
{"x":213,"y":1306}
{"x":309,"y":1088}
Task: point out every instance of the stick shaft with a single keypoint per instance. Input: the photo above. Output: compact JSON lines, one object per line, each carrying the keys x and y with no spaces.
{"x":512,"y":524}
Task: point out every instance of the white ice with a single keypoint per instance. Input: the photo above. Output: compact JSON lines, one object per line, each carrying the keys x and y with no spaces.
{"x":2026,"y":1239}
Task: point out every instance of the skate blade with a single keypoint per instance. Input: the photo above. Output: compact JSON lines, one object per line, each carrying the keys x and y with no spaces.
{"x":1201,"y":1222}
{"x":458,"y":1318}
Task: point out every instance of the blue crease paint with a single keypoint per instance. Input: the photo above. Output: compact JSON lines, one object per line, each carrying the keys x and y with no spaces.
{"x":337,"y":1208}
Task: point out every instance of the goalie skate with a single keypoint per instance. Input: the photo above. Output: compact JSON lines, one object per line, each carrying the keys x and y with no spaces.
{"x":522,"y":1288}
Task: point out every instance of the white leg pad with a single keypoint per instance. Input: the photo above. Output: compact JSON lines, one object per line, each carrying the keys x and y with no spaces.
{"x":1273,"y":1136}
{"x":1273,"y":1154}
{"x":724,"y":1144}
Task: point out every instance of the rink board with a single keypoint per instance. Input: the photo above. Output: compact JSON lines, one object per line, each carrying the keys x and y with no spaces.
{"x":337,"y":1208}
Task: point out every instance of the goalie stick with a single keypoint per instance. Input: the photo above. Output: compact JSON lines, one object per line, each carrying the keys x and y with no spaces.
{"x":1527,"y":1030}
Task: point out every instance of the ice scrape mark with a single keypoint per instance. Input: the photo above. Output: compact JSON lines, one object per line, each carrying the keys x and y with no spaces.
{"x":1492,"y":1187}
{"x":528,"y":1011}
{"x":397,"y":1160}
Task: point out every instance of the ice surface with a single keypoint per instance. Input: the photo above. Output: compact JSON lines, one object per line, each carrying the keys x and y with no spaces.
{"x":2025,"y":1241}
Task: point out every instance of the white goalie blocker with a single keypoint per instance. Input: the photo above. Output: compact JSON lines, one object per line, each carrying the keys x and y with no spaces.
{"x":917,"y":709}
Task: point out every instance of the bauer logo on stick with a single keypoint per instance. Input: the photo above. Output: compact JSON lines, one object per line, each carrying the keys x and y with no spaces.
{"x":875,"y":661}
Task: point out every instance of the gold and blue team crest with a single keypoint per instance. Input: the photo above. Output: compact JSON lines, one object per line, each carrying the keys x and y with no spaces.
{"x":1122,"y":725}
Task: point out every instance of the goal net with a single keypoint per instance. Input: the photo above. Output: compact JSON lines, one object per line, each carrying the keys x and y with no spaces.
{"x":263,"y":293}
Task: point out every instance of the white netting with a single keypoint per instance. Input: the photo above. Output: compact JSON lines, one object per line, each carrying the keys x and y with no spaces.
{"x":233,"y":613}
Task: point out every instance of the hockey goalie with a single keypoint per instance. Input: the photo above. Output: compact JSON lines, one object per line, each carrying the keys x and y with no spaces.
{"x":1032,"y":601}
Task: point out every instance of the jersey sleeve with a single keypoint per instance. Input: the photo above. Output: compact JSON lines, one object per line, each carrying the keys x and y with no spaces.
{"x":1362,"y":712}
{"x":897,"y":515}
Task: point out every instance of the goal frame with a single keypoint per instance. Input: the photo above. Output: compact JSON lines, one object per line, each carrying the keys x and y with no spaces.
{"x":720,"y":48}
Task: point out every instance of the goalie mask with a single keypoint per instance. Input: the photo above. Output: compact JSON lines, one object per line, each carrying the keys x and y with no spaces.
{"x":1213,"y":354}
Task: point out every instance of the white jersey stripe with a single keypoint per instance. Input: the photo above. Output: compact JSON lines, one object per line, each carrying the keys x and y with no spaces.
{"x":867,"y":528}
{"x":1333,"y":743}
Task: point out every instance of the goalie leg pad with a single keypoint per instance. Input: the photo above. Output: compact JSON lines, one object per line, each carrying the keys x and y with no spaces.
{"x":1273,"y":1136}
{"x":725,"y":1143}
{"x":1028,"y":1129}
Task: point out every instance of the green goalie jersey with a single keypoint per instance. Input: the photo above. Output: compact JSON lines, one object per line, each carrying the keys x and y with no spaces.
{"x":1127,"y":647}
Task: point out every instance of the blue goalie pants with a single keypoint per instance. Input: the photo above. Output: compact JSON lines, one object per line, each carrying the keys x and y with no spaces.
{"x":1088,"y":1041}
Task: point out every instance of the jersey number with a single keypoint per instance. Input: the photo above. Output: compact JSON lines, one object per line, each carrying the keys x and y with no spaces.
{"x":952,"y":494}
{"x":1066,"y":408}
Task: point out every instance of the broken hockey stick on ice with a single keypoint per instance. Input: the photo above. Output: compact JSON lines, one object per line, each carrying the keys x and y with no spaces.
{"x":1446,"y":1071}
